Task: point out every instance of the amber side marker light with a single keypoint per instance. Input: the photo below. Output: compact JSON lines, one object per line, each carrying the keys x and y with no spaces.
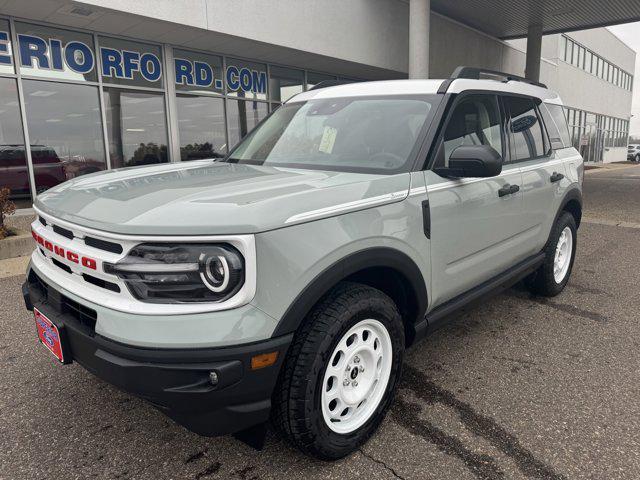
{"x":263,"y":360}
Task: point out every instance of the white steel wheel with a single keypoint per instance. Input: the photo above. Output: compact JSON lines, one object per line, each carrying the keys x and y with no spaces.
{"x":356,"y":377}
{"x":562,"y":259}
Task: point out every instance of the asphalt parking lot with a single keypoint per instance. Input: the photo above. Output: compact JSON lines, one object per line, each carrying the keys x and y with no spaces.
{"x":517,"y":387}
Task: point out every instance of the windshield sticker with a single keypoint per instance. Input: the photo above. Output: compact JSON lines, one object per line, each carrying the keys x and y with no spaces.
{"x":328,"y":140}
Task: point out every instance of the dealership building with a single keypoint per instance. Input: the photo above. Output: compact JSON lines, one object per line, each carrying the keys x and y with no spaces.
{"x":90,"y":85}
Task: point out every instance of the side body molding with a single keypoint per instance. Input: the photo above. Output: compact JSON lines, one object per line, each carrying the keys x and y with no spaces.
{"x":368,"y":258}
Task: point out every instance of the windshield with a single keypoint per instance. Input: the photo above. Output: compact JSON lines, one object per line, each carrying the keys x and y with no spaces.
{"x":358,"y":134}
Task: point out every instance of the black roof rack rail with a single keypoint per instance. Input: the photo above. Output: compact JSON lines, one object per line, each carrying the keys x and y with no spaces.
{"x":475,"y":73}
{"x":331,"y":83}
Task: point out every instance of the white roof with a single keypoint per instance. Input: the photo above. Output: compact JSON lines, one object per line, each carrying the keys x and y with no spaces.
{"x":425,"y":87}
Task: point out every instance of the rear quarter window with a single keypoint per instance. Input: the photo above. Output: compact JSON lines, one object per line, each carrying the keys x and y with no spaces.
{"x":556,"y":124}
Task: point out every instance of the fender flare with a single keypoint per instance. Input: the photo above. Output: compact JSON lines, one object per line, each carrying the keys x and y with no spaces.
{"x":573,"y":194}
{"x":367,"y":258}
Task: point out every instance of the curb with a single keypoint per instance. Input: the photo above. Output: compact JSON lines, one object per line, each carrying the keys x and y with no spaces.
{"x":17,"y":246}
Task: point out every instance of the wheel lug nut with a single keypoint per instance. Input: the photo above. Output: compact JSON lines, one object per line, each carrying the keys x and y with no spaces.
{"x":348,"y":368}
{"x":355,"y":384}
{"x":346,"y":382}
{"x":361,"y":368}
{"x":356,"y":359}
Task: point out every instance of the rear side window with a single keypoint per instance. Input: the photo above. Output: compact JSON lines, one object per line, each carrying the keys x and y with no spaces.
{"x":475,"y":120}
{"x":525,"y":128}
{"x":556,"y":123}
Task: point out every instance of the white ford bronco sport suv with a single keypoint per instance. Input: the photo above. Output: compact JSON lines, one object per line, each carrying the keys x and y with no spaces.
{"x":286,"y":280}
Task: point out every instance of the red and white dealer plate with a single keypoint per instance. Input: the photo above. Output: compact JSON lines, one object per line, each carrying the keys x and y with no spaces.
{"x":48,"y":334}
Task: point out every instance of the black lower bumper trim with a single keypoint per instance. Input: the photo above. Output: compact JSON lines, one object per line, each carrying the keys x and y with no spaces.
{"x":177,"y":381}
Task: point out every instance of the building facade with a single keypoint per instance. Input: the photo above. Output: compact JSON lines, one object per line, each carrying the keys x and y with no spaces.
{"x":93,"y":85}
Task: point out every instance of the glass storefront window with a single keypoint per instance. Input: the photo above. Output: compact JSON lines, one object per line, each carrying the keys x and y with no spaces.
{"x":315,"y":78}
{"x":198,"y":72}
{"x":14,"y":173}
{"x":136,"y":127}
{"x":284,"y":83}
{"x":65,"y":131}
{"x":55,"y":53}
{"x":201,"y":127}
{"x":246,"y":79}
{"x":130,"y":63}
{"x":6,"y":51}
{"x":242,"y":117}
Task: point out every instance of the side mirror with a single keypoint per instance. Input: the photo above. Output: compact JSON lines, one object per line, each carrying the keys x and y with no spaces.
{"x":473,"y":161}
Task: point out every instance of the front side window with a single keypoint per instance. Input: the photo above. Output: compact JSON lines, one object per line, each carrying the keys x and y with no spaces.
{"x":475,"y":120}
{"x":371,"y":134}
{"x":525,"y":128}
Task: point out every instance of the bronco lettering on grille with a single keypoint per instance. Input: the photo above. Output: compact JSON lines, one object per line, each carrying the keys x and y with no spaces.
{"x":73,"y":257}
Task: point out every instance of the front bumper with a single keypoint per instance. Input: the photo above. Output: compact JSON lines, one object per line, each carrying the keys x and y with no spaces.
{"x":176,"y":381}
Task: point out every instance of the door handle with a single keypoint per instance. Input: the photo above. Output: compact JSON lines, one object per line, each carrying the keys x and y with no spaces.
{"x":556,"y":177}
{"x":508,"y":190}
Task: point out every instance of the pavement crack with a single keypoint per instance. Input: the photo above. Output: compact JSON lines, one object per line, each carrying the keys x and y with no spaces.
{"x":486,"y":427}
{"x":196,"y":456}
{"x":210,"y":470}
{"x":483,"y":467}
{"x":381,"y":462}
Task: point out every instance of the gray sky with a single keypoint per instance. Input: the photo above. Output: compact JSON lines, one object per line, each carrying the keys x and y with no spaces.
{"x":629,"y":34}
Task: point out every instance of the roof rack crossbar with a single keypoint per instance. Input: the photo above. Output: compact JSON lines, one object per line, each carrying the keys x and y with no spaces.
{"x":475,"y":73}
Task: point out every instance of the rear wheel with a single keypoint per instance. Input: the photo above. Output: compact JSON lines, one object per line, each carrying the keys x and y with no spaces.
{"x":342,"y":372}
{"x":638,"y":157}
{"x":550,"y":279}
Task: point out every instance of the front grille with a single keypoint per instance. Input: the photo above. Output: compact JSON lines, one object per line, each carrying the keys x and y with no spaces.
{"x":98,"y":282}
{"x":63,"y":231}
{"x":85,"y":316}
{"x":61,"y":265}
{"x":103,"y":245}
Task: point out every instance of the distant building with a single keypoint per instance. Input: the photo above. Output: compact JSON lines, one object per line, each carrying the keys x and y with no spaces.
{"x":98,"y":84}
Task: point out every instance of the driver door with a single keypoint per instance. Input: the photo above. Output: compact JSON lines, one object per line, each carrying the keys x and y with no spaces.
{"x":476,"y":231}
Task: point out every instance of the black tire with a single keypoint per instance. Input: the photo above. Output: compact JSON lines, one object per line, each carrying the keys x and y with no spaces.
{"x":297,"y":398}
{"x":638,"y":157}
{"x":543,"y":282}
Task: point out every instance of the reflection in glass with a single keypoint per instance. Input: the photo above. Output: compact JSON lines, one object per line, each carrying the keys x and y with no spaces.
{"x":242,"y":117}
{"x":137,"y":50}
{"x":58,"y":67}
{"x":284,"y":83}
{"x":6,"y":50}
{"x":198,"y":72}
{"x":246,"y":79}
{"x":136,"y":127}
{"x":201,"y":127}
{"x":65,"y":131}
{"x":526,"y":128}
{"x":13,"y":161}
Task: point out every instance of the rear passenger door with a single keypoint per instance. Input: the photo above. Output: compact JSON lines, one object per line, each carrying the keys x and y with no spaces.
{"x":543,"y":182}
{"x":475,"y":232}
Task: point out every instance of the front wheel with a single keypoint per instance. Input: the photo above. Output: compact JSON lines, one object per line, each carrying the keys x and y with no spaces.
{"x":552,"y":276}
{"x":342,"y":372}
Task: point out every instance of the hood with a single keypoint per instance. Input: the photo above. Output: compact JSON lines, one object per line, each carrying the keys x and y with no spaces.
{"x":211,"y":198}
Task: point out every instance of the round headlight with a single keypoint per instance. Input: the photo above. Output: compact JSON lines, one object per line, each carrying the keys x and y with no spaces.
{"x":214,"y":271}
